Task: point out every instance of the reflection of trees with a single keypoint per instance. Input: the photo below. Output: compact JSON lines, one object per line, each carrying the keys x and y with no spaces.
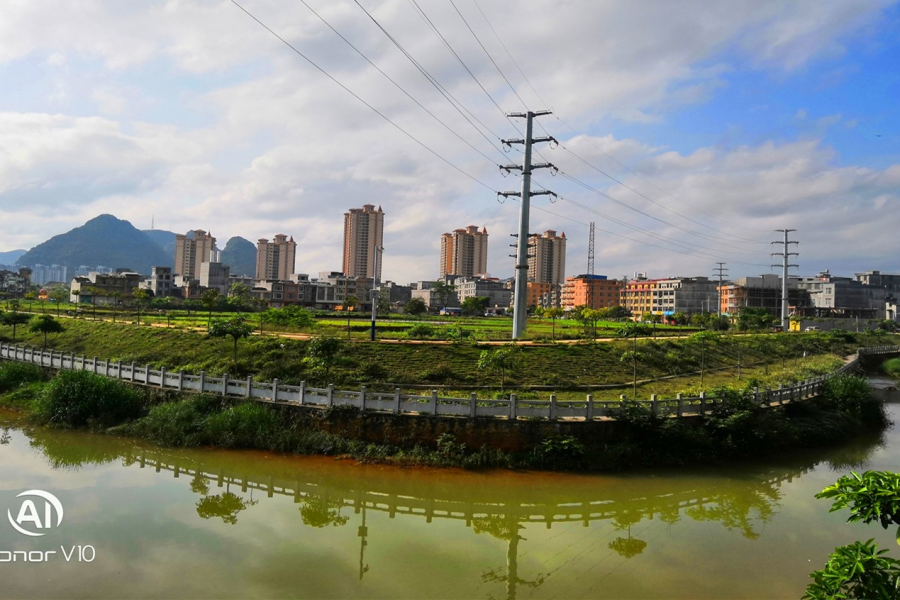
{"x":225,"y":506}
{"x":200,"y":484}
{"x":732,"y":508}
{"x":855,"y":454}
{"x":5,"y":437}
{"x":322,"y":511}
{"x":628,"y":547}
{"x":72,"y":450}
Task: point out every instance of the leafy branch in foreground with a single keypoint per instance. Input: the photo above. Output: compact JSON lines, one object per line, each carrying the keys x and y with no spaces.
{"x":861,"y":570}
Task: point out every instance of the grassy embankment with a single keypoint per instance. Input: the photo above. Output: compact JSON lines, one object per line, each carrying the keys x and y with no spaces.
{"x":738,"y":430}
{"x":664,"y":366}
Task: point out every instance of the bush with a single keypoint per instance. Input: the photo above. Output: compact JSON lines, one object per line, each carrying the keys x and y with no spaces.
{"x":891,"y":367}
{"x":14,"y":375}
{"x":420,"y":331}
{"x":248,"y":425}
{"x":79,"y":398}
{"x":850,"y":394}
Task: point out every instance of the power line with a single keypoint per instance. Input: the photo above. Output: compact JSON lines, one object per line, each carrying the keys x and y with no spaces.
{"x":433,"y":80}
{"x":399,"y":87}
{"x":352,"y":93}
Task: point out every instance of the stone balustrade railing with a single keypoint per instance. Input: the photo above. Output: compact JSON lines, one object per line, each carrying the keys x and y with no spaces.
{"x":396,"y":402}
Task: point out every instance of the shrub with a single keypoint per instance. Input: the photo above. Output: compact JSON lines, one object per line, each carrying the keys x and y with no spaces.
{"x":851,"y":395}
{"x":14,"y":375}
{"x":248,"y":425}
{"x":420,"y":331}
{"x":79,"y":398}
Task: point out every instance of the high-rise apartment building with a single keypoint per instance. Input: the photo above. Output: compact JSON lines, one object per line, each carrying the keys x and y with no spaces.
{"x":191,"y":251}
{"x":547,"y":258}
{"x":464,"y":252}
{"x":275,"y":259}
{"x":363,"y":233}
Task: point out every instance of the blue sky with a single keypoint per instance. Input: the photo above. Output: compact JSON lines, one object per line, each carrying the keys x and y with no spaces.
{"x":750,"y":115}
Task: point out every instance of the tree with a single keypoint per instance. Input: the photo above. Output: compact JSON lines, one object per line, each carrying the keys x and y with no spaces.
{"x":475,"y":305}
{"x":59,"y":295}
{"x":618,"y":312}
{"x":500,"y":360}
{"x":323,"y":353}
{"x":591,"y":316}
{"x":384,"y":302}
{"x":142,"y":298}
{"x":210,"y":299}
{"x":239,"y":296}
{"x":702,"y":338}
{"x":225,"y":506}
{"x":754,"y":319}
{"x":235,"y":328}
{"x":633,"y":331}
{"x":444,"y":292}
{"x":45,"y":324}
{"x":553,"y":314}
{"x":14,"y":319}
{"x":861,"y":570}
{"x":350,"y":303}
{"x":416,"y":306}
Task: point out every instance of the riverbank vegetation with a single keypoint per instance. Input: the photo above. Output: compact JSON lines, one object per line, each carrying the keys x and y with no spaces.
{"x":639,"y":366}
{"x":738,"y":428}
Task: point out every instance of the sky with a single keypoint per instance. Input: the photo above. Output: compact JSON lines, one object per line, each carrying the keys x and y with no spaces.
{"x":688,"y":131}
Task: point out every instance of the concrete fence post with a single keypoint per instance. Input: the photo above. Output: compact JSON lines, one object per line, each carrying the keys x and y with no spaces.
{"x":95,"y":365}
{"x":590,"y":408}
{"x":180,"y":380}
{"x":275,"y":390}
{"x":224,"y":384}
{"x":473,"y":405}
{"x":329,"y":398}
{"x":512,"y":407}
{"x":249,"y":392}
{"x":434,"y":403}
{"x":202,"y":381}
{"x":132,"y":369}
{"x":702,"y":403}
{"x":552,"y":415}
{"x":396,"y":401}
{"x":362,"y":398}
{"x":654,"y":405}
{"x":105,"y":366}
{"x":302,"y":392}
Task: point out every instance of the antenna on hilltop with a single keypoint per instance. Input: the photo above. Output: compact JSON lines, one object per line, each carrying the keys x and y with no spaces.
{"x":152,"y":222}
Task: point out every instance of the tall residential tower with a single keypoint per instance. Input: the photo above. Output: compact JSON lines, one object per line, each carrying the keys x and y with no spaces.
{"x":363,"y":233}
{"x":275,"y":259}
{"x":464,"y":252}
{"x":191,"y":251}
{"x":547,"y":258}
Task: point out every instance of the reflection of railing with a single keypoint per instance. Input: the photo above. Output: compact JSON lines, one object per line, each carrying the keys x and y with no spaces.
{"x":583,"y":511}
{"x":398,"y":403}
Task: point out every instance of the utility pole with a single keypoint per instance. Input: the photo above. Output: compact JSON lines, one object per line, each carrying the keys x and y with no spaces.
{"x":785,"y":255}
{"x":590,"y":268}
{"x":520,"y":300}
{"x":378,"y":250}
{"x":721,"y":271}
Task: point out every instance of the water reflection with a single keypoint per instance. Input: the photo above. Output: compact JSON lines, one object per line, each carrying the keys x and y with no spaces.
{"x":233,"y":485}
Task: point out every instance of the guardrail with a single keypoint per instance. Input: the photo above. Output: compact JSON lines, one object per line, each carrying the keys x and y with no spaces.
{"x":396,"y":402}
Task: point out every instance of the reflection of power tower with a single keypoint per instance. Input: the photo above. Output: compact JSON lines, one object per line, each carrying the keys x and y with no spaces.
{"x":510,"y":531}
{"x":363,"y":533}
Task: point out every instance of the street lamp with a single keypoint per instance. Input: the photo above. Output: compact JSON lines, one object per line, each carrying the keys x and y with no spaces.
{"x":375,"y":289}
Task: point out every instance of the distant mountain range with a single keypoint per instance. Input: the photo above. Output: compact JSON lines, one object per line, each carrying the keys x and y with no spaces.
{"x":240,"y":255}
{"x":112,"y":242}
{"x":10,"y":258}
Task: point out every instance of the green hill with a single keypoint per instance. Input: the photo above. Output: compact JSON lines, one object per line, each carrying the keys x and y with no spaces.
{"x":240,"y":255}
{"x":104,"y":240}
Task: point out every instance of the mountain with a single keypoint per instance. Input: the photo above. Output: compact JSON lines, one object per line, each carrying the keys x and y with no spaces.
{"x":164,"y":239}
{"x":240,"y":255}
{"x":10,"y":258}
{"x":104,"y":240}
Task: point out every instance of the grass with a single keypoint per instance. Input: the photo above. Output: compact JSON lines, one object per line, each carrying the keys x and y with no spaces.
{"x":572,"y":370}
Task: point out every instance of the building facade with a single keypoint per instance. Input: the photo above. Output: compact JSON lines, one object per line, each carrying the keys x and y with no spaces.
{"x":464,"y":252}
{"x":215,"y":276}
{"x":100,"y":288}
{"x":275,"y":259}
{"x":764,"y":292}
{"x":363,"y":236}
{"x":547,"y":258}
{"x":496,"y":291}
{"x":592,"y":291}
{"x":192,"y":250}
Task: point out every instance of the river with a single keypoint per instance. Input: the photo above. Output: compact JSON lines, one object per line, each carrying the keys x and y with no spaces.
{"x":165,"y":523}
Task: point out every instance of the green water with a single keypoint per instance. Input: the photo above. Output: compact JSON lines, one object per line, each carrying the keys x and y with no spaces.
{"x":191,"y":524}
